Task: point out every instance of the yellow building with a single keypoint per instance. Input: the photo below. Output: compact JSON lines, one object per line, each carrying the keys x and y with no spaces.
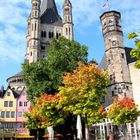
{"x":8,"y":101}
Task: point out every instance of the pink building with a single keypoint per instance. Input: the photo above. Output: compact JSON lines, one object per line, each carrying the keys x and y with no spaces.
{"x":23,"y":106}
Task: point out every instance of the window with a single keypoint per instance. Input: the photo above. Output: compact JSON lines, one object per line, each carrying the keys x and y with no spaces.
{"x":69,"y":31}
{"x":113,"y":42}
{"x":8,"y":114}
{"x":20,"y":103}
{"x":109,"y":62}
{"x":13,"y":114}
{"x":32,"y":27}
{"x":23,"y":94}
{"x":120,"y":90}
{"x":35,"y":13}
{"x":51,"y":34}
{"x":66,"y":31}
{"x":42,"y":47}
{"x":11,"y":104}
{"x":43,"y":34}
{"x":113,"y":94}
{"x":19,"y":125}
{"x":2,"y":125}
{"x":110,"y":21}
{"x":2,"y":114}
{"x":19,"y":114}
{"x":25,"y":103}
{"x":5,"y":103}
{"x":57,"y":35}
{"x":111,"y":77}
{"x":122,"y":55}
{"x":24,"y":125}
{"x":35,"y":26}
{"x":127,"y":87}
{"x":30,"y":53}
{"x":8,"y":94}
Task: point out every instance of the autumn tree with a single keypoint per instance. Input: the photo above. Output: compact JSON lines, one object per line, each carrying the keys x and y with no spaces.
{"x":135,"y":53}
{"x":46,"y":75}
{"x":44,"y":113}
{"x":123,"y":111}
{"x":81,"y":92}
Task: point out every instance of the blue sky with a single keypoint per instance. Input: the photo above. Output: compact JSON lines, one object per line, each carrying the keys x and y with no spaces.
{"x":87,"y":28}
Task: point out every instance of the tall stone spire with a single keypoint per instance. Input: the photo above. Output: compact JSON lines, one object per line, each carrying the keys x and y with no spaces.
{"x":67,"y":20}
{"x":120,"y":82}
{"x":48,"y":4}
{"x":33,"y":35}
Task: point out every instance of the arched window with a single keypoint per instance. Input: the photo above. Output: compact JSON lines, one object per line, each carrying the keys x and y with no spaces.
{"x":43,"y":34}
{"x":57,"y":35}
{"x":32,"y":27}
{"x":35,"y":26}
{"x":51,"y":34}
{"x":66,"y":31}
{"x":31,"y":53}
{"x":69,"y":31}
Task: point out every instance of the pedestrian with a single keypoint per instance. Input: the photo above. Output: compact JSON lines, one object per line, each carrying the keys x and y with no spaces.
{"x":111,"y":136}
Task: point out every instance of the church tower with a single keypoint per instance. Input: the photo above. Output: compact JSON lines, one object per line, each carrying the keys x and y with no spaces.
{"x":67,"y":20}
{"x":33,"y":35}
{"x":120,"y":83}
{"x":45,"y":23}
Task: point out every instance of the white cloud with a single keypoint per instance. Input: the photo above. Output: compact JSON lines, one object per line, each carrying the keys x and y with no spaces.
{"x":13,"y":17}
{"x":12,"y":29}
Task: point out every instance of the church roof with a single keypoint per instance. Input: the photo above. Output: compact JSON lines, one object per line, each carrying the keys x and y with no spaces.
{"x":16,"y":75}
{"x":103,"y":64}
{"x":49,"y":13}
{"x":67,"y":2}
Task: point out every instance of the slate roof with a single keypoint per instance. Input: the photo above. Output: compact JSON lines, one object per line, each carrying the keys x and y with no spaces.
{"x":129,"y":59}
{"x":2,"y":92}
{"x":67,"y":2}
{"x":16,"y":93}
{"x":103,"y":64}
{"x":16,"y":75}
{"x":49,"y":13}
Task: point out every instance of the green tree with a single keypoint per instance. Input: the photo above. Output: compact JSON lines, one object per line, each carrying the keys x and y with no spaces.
{"x":135,"y":53}
{"x":81,"y":92}
{"x":46,"y":75}
{"x":123,"y":111}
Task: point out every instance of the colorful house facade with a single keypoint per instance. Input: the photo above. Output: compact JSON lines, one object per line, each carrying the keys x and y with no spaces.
{"x":13,"y":105}
{"x":23,"y":106}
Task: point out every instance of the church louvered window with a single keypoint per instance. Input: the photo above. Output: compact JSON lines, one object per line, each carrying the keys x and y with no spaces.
{"x":43,"y":34}
{"x":51,"y":34}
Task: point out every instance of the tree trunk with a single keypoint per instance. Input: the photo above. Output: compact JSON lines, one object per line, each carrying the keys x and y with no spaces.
{"x":87,"y":132}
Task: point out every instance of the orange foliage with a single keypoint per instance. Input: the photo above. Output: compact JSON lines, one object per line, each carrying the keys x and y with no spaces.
{"x":102,"y":110}
{"x":125,"y":102}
